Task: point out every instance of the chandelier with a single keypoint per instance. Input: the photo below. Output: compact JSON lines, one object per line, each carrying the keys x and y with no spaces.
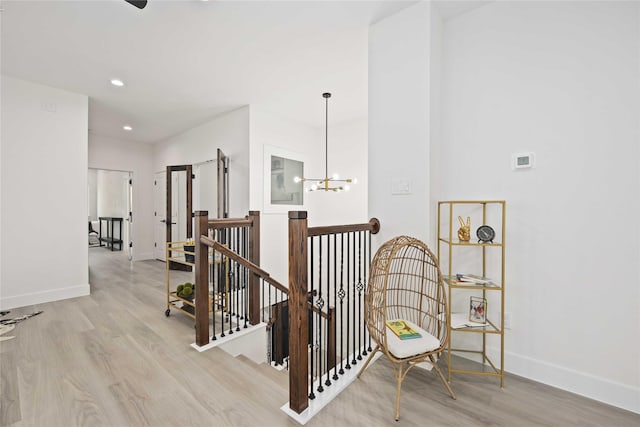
{"x":333,"y":183}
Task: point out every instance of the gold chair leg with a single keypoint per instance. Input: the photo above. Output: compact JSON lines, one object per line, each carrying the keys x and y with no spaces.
{"x":375,"y":350}
{"x":444,"y":381}
{"x":399,"y":378}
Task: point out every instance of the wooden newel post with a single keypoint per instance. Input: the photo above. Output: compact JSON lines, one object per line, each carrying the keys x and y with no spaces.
{"x":298,"y":312}
{"x":202,"y":279}
{"x":254,"y":257}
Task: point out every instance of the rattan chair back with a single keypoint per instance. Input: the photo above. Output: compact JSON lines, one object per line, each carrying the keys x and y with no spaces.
{"x":406,"y":283}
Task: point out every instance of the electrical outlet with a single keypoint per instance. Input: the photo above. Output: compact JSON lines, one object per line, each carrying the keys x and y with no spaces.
{"x":507,"y":320}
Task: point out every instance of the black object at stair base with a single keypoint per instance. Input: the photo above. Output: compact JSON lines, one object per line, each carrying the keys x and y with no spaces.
{"x":140,"y":4}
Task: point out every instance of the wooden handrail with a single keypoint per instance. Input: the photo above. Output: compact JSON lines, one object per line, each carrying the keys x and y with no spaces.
{"x":244,"y":262}
{"x":373,"y":226}
{"x":222,"y":223}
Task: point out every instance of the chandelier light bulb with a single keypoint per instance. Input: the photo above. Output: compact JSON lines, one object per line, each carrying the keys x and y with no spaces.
{"x":347,"y":188}
{"x":336,"y":176}
{"x":296,"y":179}
{"x":314,"y":187}
{"x":354,"y":180}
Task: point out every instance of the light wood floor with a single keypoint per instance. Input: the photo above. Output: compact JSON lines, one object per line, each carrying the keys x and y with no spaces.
{"x":114,"y":359}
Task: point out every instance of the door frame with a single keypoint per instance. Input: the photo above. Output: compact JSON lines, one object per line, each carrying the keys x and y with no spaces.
{"x":169,"y":178}
{"x":223,"y":185}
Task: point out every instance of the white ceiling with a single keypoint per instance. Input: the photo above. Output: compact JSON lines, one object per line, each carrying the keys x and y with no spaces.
{"x":186,"y":61}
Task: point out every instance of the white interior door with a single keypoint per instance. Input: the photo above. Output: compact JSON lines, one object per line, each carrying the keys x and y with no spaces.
{"x":160,"y":203}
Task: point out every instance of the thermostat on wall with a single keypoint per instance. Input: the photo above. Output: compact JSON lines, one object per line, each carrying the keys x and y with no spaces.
{"x":522,"y":160}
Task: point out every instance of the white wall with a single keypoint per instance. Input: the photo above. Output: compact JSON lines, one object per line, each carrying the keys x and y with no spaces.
{"x":399,"y":78}
{"x":230,"y":133}
{"x":111,"y":154}
{"x":44,"y":194}
{"x":347,"y":156}
{"x":92,"y":187}
{"x":560,"y":79}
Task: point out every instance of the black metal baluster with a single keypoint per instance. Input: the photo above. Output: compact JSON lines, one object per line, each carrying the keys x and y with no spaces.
{"x":335,"y":300}
{"x":311,"y":340}
{"x":360,"y":287}
{"x":319,"y":304}
{"x":369,"y":271}
{"x":341,"y":296}
{"x":223,"y":281}
{"x":348,"y":365}
{"x":270,"y":329}
{"x":238,"y":292}
{"x":353,"y":301}
{"x":270,"y":322}
{"x":328,"y":321}
{"x":262,"y":292}
{"x":245,"y":284}
{"x":213,"y":303}
{"x":232,"y":284}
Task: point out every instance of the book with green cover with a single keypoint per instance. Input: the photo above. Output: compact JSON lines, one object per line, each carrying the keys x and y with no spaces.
{"x":402,"y":329}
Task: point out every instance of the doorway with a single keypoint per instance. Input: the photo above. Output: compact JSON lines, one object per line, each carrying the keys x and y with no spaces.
{"x":172,"y":222}
{"x":110,"y":197}
{"x":181,"y":190}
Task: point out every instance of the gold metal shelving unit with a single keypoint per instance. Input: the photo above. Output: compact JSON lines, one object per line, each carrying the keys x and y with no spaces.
{"x":176,"y":252}
{"x":491,"y":265}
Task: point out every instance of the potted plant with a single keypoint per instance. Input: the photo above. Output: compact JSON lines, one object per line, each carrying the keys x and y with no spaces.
{"x":190,"y":246}
{"x":186,"y":292}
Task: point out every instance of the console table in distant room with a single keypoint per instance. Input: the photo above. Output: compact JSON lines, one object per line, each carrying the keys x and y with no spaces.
{"x":110,"y":240}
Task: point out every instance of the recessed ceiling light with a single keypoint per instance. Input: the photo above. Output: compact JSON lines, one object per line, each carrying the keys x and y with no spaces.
{"x":127,"y":128}
{"x":117,"y":82}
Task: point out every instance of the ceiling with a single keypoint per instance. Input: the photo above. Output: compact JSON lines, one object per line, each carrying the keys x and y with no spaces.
{"x":186,"y":61}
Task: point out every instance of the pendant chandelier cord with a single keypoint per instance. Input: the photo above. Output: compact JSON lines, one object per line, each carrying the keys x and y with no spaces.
{"x":326,"y":133}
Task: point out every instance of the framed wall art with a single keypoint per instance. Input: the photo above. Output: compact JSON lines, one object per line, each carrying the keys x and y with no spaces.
{"x":281,"y":192}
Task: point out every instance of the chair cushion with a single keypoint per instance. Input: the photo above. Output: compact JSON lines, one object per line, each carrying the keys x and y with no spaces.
{"x":411,"y":347}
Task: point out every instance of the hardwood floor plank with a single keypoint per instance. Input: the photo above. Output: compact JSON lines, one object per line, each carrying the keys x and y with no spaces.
{"x":10,"y":402}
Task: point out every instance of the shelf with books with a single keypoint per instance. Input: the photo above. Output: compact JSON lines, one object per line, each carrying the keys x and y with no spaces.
{"x":460,"y":284}
{"x":474,"y":271}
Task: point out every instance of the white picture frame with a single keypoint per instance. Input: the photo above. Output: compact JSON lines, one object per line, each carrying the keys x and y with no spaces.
{"x":281,"y":193}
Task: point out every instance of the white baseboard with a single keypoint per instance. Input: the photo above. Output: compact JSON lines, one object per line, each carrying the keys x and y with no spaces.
{"x":234,"y":344}
{"x":610,"y":392}
{"x":23,"y":300}
{"x":330,"y":393}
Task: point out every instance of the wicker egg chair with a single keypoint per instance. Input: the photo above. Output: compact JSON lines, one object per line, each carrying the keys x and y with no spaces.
{"x":406,"y":284}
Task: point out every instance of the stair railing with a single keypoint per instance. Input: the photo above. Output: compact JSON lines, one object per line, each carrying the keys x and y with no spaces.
{"x":322,"y":310}
{"x":236,"y":291}
{"x":328,"y":268}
